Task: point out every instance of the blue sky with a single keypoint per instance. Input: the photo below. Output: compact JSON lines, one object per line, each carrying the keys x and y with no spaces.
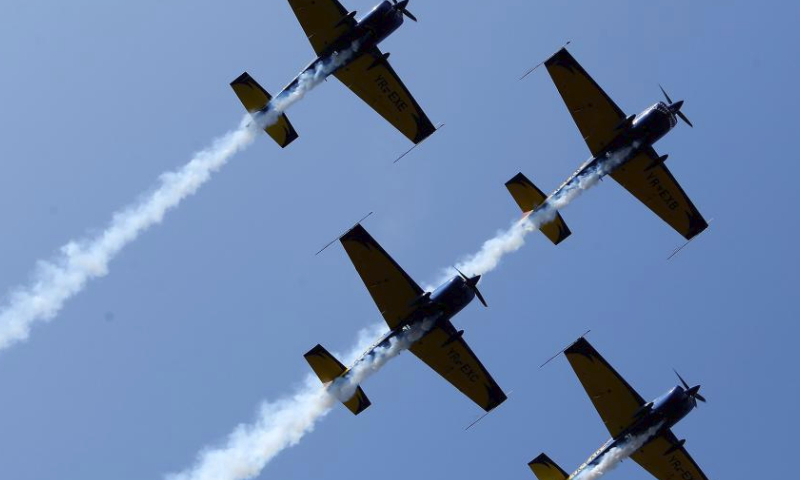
{"x":209,"y":313}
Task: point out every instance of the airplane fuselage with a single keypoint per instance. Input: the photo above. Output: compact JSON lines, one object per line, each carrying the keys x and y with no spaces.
{"x":432,"y":308}
{"x":636,"y":133}
{"x":654,"y":418}
{"x":368,"y":32}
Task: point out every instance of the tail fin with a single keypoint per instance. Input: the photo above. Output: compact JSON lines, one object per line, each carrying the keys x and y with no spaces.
{"x":329,"y":369}
{"x":546,"y":469}
{"x":255,"y":99}
{"x":528,"y":197}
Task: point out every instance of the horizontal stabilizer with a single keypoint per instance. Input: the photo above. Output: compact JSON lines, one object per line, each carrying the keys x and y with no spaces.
{"x":256,"y":99}
{"x":529,"y":197}
{"x":328,"y":369}
{"x":546,"y":469}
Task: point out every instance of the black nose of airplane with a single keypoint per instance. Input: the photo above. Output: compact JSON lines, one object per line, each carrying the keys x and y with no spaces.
{"x":472,"y":283}
{"x":675,"y":108}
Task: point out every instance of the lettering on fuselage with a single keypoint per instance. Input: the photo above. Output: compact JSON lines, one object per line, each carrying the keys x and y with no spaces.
{"x":390,"y":93}
{"x":678,"y":467}
{"x":663,"y":193}
{"x":464,"y":368}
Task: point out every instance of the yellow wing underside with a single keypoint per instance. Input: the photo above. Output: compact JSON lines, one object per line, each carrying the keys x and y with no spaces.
{"x":390,"y":287}
{"x":654,"y":185}
{"x":323,"y":21}
{"x":659,"y":461}
{"x":595,"y":114}
{"x":455,"y":362}
{"x":372,"y":78}
{"x":615,"y":400}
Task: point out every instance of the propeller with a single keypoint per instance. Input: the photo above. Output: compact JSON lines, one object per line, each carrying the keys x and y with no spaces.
{"x":692,"y":392}
{"x":473,"y":284}
{"x":676,"y":107}
{"x":401,"y":7}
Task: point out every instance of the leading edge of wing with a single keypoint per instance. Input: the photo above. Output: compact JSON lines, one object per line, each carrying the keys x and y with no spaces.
{"x":583,"y":347}
{"x":360,"y":234}
{"x":563,"y":58}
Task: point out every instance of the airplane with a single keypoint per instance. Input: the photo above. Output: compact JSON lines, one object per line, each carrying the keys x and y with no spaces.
{"x":405,"y":306}
{"x":331,"y":29}
{"x":628,"y":140}
{"x":627,"y":415}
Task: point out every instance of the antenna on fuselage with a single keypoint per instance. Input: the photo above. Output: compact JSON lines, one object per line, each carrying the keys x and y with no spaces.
{"x":563,"y":349}
{"x":343,"y":233}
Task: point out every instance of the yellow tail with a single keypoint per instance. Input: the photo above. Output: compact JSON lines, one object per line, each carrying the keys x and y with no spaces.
{"x":328,"y":369}
{"x":255,"y":98}
{"x":528,"y":197}
{"x":546,"y":469}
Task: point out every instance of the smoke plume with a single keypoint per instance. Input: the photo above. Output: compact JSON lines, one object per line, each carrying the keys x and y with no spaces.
{"x":283,"y":423}
{"x":508,"y":241}
{"x":57,"y":280}
{"x":616,"y":455}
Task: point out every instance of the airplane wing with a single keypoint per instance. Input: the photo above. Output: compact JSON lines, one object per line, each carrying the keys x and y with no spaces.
{"x":615,"y":400}
{"x":391,"y":288}
{"x":458,"y":365}
{"x":324,"y":21}
{"x":372,"y":78}
{"x":654,"y":185}
{"x":596,"y":115}
{"x":656,"y":458}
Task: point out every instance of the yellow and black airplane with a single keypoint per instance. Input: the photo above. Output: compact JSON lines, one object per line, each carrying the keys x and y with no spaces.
{"x":332,"y":30}
{"x":419,"y":320}
{"x":621,"y":146}
{"x":628,"y":417}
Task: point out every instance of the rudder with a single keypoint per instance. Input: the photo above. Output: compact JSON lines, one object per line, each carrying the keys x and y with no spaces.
{"x":529,"y":197}
{"x":328,"y":369}
{"x":255,"y":99}
{"x":546,"y":469}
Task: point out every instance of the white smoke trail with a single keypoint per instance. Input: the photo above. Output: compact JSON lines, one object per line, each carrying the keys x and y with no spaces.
{"x":282,"y":424}
{"x":616,"y":455}
{"x":57,"y":280}
{"x":508,"y":241}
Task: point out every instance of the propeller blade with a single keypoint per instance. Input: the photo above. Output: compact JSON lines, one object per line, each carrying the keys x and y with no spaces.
{"x":480,"y":297}
{"x":461,"y":273}
{"x":669,"y":100}
{"x":685,"y":385}
{"x":700,"y":397}
{"x":401,"y":7}
{"x":473,"y":284}
{"x":683,"y":117}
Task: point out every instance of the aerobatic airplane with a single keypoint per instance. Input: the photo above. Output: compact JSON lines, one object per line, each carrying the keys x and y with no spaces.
{"x":405,"y":308}
{"x":627,"y":141}
{"x":331,"y":29}
{"x":626,"y":415}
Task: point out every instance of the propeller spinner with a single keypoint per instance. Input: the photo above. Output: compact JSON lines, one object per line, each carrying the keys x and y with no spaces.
{"x":401,"y":7}
{"x":675,"y":108}
{"x":473,"y":284}
{"x":692,"y":392}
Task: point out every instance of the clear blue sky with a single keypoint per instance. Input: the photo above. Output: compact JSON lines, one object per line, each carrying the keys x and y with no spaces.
{"x":209,"y":313}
